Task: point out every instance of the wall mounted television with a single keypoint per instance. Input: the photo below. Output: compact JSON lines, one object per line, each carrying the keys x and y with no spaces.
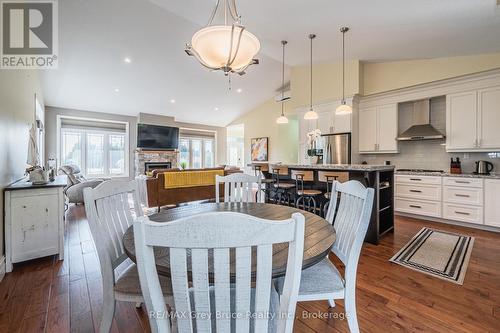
{"x":157,"y":137}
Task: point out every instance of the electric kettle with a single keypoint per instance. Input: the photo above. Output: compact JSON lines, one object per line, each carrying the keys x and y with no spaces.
{"x":483,"y":167}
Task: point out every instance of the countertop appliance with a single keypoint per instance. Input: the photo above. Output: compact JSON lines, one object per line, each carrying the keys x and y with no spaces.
{"x":483,"y":167}
{"x":337,"y":148}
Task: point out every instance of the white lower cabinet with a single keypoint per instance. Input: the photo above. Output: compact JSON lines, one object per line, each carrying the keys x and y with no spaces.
{"x":34,"y":224}
{"x":418,"y":207}
{"x":420,"y":195}
{"x":463,"y":213}
{"x":491,"y":202}
{"x":461,"y":199}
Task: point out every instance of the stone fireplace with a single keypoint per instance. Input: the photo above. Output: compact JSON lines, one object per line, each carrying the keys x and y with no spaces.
{"x":146,"y":160}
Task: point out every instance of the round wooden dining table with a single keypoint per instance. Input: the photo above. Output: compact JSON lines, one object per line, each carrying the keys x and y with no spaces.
{"x":319,"y":235}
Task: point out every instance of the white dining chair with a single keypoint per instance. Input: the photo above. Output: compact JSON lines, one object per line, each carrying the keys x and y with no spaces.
{"x":143,"y":189}
{"x":221,"y":305}
{"x":109,"y":214}
{"x":239,"y":187}
{"x":323,"y":281}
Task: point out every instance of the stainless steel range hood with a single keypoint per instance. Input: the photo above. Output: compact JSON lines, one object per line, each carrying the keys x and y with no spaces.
{"x":421,"y":128}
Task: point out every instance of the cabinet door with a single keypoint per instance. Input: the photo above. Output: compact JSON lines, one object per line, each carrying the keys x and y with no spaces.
{"x":35,"y":227}
{"x":387,"y":122}
{"x":341,"y":123}
{"x":368,"y":130}
{"x":491,"y":206}
{"x":489,"y":118}
{"x":461,"y":125}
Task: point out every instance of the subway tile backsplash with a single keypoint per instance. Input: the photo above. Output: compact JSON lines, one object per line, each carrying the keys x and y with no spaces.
{"x":430,"y":155}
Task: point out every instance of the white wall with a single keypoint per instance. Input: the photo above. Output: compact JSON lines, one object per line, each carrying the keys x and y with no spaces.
{"x":17,"y":112}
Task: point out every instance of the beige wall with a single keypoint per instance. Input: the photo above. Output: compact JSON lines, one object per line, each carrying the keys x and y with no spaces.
{"x":380,"y":77}
{"x":327,"y":83}
{"x":17,"y":112}
{"x":283,"y":138}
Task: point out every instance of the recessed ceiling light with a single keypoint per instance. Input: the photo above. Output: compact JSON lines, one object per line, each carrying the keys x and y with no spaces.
{"x":117,"y":90}
{"x":172,"y":101}
{"x":127,"y":60}
{"x":239,"y":90}
{"x":216,"y":109}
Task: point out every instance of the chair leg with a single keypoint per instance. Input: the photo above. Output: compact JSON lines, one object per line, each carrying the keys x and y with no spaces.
{"x":331,"y":303}
{"x":108,"y":312}
{"x":350,"y":310}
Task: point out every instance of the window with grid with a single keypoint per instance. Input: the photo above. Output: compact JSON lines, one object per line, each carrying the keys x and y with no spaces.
{"x":197,"y":149}
{"x":99,"y":149}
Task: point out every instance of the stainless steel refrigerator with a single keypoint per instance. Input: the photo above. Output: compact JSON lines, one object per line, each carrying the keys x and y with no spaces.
{"x":337,"y":148}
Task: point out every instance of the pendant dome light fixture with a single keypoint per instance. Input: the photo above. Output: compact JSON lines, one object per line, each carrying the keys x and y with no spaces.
{"x":282,"y":119}
{"x":343,"y":108}
{"x":229,"y":47}
{"x":311,"y":114}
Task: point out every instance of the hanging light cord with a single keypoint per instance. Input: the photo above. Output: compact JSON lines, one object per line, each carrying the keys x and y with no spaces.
{"x":311,"y":37}
{"x":283,"y":80}
{"x":343,"y":30}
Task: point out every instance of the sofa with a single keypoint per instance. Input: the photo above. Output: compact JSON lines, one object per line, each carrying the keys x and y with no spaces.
{"x":76,"y":183}
{"x":158,"y":194}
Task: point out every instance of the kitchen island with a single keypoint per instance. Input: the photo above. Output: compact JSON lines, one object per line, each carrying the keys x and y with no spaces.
{"x":378,"y":177}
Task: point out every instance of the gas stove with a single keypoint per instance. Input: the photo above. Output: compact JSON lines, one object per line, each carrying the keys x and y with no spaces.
{"x":420,"y":170}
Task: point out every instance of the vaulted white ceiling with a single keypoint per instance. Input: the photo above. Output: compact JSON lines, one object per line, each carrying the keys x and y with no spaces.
{"x":96,"y":35}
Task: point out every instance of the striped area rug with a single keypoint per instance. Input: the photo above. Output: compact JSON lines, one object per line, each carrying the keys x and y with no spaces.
{"x":444,"y":255}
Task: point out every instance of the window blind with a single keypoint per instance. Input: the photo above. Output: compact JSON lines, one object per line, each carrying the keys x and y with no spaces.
{"x":191,"y":133}
{"x":92,"y":125}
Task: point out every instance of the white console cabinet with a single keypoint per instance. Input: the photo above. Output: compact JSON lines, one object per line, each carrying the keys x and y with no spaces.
{"x":34,"y":221}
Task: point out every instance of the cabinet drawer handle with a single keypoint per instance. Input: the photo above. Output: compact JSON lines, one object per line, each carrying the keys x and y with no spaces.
{"x":462,"y":213}
{"x":416,"y":191}
{"x":462,"y":195}
{"x":415,"y":206}
{"x":416,"y":179}
{"x":462,"y":182}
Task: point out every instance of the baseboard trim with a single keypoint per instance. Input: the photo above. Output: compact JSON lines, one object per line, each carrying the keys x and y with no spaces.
{"x":441,"y":220}
{"x":2,"y":268}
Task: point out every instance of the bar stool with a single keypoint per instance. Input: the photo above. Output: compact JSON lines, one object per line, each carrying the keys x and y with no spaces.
{"x":329,"y":177}
{"x":305,"y":197}
{"x":282,"y":188}
{"x":259,"y":171}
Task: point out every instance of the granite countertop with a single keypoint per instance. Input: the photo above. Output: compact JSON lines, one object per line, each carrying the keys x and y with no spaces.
{"x":342,"y":167}
{"x":447,"y":174}
{"x":24,"y":184}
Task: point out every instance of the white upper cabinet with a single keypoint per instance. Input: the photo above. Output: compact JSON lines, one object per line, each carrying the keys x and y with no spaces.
{"x":489,"y":118}
{"x":378,"y":129}
{"x":461,"y":115}
{"x":472,"y":120}
{"x":387,"y":128}
{"x":325,"y":122}
{"x":368,"y":130}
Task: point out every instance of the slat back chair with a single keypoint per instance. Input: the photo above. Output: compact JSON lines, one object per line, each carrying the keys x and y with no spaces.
{"x":109,"y":214}
{"x":350,"y":217}
{"x":219,"y":233}
{"x":238,"y":187}
{"x":143,"y":189}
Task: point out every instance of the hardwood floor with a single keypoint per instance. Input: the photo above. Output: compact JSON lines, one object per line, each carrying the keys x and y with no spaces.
{"x":65,"y":296}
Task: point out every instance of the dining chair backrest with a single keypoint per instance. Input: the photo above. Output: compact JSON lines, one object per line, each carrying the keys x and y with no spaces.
{"x":238,"y":187}
{"x":143,"y":189}
{"x":220,"y":234}
{"x":109,"y":214}
{"x":350,"y":217}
